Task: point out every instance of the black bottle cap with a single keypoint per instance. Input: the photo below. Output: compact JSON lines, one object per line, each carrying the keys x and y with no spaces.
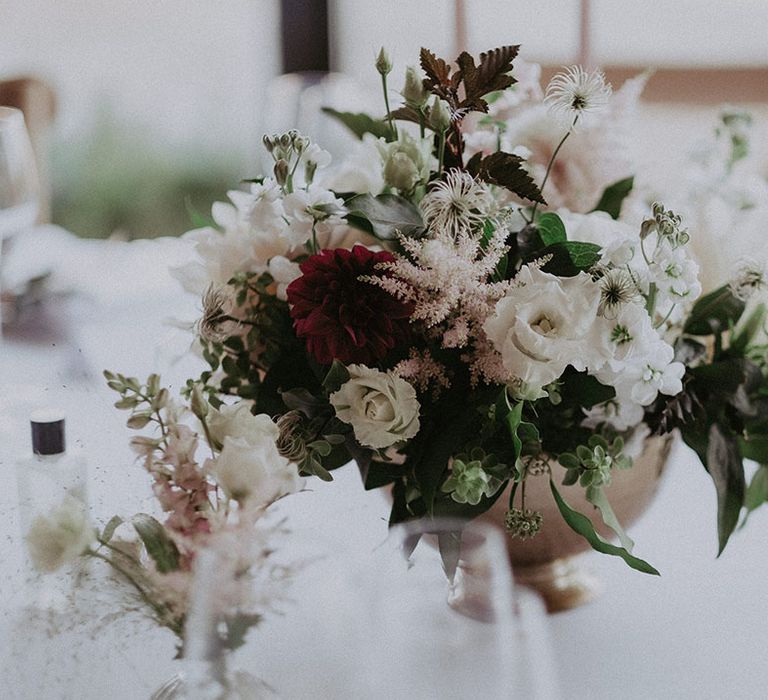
{"x":47,"y":432}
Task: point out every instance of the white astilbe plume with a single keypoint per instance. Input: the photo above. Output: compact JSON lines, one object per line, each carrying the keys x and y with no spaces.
{"x":423,"y":370}
{"x":449,"y":282}
{"x":457,"y":204}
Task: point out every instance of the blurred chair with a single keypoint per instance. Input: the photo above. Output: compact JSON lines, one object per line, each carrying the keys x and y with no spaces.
{"x":37,"y":100}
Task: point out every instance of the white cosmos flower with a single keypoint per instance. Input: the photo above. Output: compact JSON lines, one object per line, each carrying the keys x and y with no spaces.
{"x":544,"y":324}
{"x":575,"y":92}
{"x":381,"y":407}
{"x":60,"y":537}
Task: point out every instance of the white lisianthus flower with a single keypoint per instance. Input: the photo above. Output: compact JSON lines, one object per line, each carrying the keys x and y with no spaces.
{"x":316,"y":208}
{"x":250,"y":468}
{"x":543,"y":325}
{"x":60,"y":537}
{"x":407,"y":161}
{"x":236,"y":421}
{"x":381,"y":407}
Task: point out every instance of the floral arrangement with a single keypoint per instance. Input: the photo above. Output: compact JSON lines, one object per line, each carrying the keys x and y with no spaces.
{"x":464,"y":301}
{"x":215,"y":491}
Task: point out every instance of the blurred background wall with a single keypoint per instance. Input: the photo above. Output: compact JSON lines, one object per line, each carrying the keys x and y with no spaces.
{"x":163,"y":102}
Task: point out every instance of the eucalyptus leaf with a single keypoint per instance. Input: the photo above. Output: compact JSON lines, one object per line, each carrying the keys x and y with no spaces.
{"x":613,"y":197}
{"x":727,"y":471}
{"x":160,"y":547}
{"x":596,"y":496}
{"x":385,"y":216}
{"x":582,"y":525}
{"x":360,"y":124}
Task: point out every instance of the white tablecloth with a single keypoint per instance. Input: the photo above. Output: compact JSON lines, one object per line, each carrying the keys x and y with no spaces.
{"x":699,"y":631}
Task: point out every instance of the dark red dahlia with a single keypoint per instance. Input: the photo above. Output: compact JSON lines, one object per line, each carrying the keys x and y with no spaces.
{"x":341,"y":317}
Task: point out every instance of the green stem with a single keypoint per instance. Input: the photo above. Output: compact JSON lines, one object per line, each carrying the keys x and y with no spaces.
{"x":422,"y":122}
{"x":650,"y":301}
{"x":441,"y":152}
{"x":386,"y":104}
{"x":315,"y":246}
{"x":552,"y":162}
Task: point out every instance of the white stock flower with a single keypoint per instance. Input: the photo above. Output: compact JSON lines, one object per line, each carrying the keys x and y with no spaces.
{"x":314,"y":207}
{"x":283,"y":271}
{"x":250,"y":469}
{"x":543,"y":325}
{"x":381,"y":407}
{"x":576,"y":92}
{"x":61,"y":537}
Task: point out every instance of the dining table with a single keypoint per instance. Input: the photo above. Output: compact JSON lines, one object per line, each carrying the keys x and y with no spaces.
{"x":698,"y":631}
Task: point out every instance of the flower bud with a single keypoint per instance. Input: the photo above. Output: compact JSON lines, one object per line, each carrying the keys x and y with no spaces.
{"x":267,"y":143}
{"x":282,"y":170}
{"x":197,"y":403}
{"x":383,"y":64}
{"x":413,"y":92}
{"x":439,"y":116}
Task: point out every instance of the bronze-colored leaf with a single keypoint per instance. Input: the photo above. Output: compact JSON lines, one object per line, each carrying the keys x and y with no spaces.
{"x":407,"y":114}
{"x":506,"y":170}
{"x":436,"y":70}
{"x":490,"y":75}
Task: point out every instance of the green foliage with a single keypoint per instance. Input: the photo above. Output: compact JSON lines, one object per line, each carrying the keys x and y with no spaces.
{"x":468,"y":481}
{"x":723,"y":462}
{"x":715,"y":312}
{"x":551,"y":229}
{"x":109,"y":529}
{"x":582,"y":525}
{"x":360,"y":124}
{"x":568,"y":258}
{"x":591,"y":464}
{"x":757,"y":491}
{"x":384,"y":216}
{"x":613,"y":197}
{"x":160,"y":547}
{"x":336,"y":377}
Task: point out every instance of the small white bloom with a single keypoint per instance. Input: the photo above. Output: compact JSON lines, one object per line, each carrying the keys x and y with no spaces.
{"x":320,"y":157}
{"x":749,"y":276}
{"x":457,"y":204}
{"x":283,"y":271}
{"x":60,"y":537}
{"x":253,"y":472}
{"x":542,"y":325}
{"x":381,"y":407}
{"x":575,"y":92}
{"x":620,"y":415}
{"x":314,"y":208}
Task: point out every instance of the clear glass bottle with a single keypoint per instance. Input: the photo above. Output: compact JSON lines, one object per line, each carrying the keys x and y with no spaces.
{"x":48,"y":478}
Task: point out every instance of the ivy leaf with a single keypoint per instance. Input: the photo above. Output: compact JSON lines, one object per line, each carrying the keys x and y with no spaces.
{"x":384,"y":216}
{"x":596,"y":496}
{"x":582,"y":525}
{"x":614,"y":195}
{"x":551,"y":229}
{"x":506,"y":170}
{"x":727,"y":471}
{"x":714,"y":312}
{"x":160,"y":547}
{"x":360,"y":124}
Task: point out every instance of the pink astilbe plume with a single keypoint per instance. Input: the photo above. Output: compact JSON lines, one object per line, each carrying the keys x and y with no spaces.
{"x":423,"y":371}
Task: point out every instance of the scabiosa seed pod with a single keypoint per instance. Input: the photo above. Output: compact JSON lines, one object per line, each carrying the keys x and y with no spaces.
{"x":523,"y":523}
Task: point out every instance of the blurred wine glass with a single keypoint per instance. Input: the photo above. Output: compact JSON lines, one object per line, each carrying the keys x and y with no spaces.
{"x":457,"y":628}
{"x":19,"y":183}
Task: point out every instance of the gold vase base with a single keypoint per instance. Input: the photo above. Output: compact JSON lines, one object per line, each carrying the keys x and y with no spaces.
{"x":562,"y":583}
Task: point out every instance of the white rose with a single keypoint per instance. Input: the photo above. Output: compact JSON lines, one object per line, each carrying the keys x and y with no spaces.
{"x":381,"y":407}
{"x":236,"y":421}
{"x":254,"y":472}
{"x":544,"y":325}
{"x":60,"y":537}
